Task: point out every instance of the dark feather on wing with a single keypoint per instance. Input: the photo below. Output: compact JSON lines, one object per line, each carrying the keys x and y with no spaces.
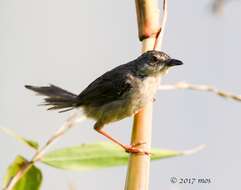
{"x":109,"y":87}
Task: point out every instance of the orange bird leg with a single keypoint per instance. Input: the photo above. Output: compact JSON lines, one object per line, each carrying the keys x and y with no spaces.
{"x":128,"y":148}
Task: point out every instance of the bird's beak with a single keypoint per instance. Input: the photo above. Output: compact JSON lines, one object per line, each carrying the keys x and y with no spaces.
{"x":173,"y":62}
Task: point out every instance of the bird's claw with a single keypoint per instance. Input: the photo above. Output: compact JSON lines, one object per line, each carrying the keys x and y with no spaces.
{"x":134,"y":150}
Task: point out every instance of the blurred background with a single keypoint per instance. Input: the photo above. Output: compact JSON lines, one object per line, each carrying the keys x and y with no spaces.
{"x":70,"y":43}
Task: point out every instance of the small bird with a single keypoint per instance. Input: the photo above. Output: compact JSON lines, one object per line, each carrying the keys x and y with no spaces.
{"x":115,"y":95}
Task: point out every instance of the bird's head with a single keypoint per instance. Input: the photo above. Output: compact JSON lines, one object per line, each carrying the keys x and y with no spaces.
{"x":155,"y":63}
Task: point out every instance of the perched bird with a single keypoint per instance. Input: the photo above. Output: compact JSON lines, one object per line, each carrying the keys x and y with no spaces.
{"x":117,"y":94}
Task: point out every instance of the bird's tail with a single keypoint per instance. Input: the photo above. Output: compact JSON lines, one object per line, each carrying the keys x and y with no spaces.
{"x":56,"y":98}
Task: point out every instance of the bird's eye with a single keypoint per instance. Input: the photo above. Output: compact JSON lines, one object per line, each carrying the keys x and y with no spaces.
{"x":154,"y":59}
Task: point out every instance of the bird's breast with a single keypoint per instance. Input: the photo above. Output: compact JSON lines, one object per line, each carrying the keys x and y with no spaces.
{"x":143,"y":91}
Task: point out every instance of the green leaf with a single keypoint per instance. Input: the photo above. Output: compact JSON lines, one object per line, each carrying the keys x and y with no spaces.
{"x":94,"y":156}
{"x":31,"y":180}
{"x":30,"y":143}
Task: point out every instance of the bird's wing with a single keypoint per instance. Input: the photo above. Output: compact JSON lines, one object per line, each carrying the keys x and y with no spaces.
{"x":109,"y":87}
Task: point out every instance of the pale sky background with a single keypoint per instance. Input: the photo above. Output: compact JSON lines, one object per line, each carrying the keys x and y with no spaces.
{"x":70,"y":43}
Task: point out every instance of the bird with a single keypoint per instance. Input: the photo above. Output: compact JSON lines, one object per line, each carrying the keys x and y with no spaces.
{"x":115,"y":95}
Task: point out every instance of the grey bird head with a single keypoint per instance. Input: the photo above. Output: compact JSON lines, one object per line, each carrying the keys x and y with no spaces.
{"x":155,"y":62}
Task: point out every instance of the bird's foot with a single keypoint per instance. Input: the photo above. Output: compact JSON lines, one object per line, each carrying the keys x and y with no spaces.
{"x":135,"y":150}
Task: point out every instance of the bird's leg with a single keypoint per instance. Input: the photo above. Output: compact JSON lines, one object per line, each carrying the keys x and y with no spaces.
{"x":128,"y":148}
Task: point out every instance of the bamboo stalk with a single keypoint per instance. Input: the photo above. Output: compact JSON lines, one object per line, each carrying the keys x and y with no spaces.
{"x":151,"y":35}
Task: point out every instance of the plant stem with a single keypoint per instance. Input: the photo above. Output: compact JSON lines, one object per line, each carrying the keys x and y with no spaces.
{"x":151,"y":35}
{"x":70,"y":122}
{"x":201,"y":87}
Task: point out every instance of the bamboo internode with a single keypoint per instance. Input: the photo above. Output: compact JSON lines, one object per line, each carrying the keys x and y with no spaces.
{"x":150,"y":33}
